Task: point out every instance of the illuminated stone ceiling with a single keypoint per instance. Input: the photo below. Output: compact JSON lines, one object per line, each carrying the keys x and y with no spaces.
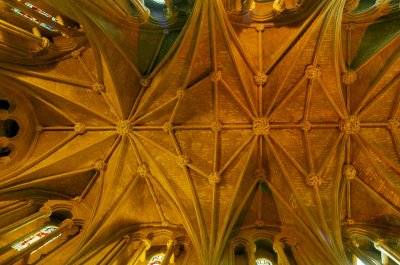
{"x":258,"y":118}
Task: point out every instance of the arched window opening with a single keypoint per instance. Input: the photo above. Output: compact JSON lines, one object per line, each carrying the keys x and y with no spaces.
{"x":156,"y":259}
{"x":263,"y":261}
{"x":4,"y":104}
{"x":40,"y":11}
{"x":5,"y":151}
{"x":8,"y":128}
{"x":240,"y":255}
{"x":33,"y":19}
{"x":33,"y":247}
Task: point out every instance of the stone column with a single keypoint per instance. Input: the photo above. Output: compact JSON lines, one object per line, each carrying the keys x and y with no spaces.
{"x":297,"y":254}
{"x":384,"y":248}
{"x":140,"y":253}
{"x":66,"y":225}
{"x":44,"y":212}
{"x":116,"y":250}
{"x":360,"y":255}
{"x":169,"y":255}
{"x":251,"y":248}
{"x":278,"y":248}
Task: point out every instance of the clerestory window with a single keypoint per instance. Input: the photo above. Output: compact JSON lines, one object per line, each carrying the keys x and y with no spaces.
{"x":156,"y":259}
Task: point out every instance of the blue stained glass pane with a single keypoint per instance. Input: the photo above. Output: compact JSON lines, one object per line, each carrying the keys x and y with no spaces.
{"x":34,"y":19}
{"x":40,"y":11}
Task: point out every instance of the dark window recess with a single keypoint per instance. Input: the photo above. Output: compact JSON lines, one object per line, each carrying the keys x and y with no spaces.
{"x":9,"y":128}
{"x":5,"y":151}
{"x":4,"y":104}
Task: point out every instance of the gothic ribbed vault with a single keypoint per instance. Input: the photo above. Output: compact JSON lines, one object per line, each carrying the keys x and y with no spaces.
{"x":216,"y":119}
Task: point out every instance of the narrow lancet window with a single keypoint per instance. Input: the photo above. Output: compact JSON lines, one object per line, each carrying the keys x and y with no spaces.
{"x":34,"y":19}
{"x":29,"y":240}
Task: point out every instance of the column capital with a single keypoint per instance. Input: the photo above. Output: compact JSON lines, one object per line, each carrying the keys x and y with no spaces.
{"x":147,"y":244}
{"x":46,"y":210}
{"x":69,"y":223}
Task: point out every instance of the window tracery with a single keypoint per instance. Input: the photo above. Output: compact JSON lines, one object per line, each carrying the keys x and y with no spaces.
{"x":263,"y":261}
{"x":156,"y":259}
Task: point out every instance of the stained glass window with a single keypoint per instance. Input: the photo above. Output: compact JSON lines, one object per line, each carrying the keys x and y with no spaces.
{"x":33,"y":19}
{"x":263,"y":261}
{"x":40,"y":11}
{"x":156,"y":259}
{"x":35,"y":237}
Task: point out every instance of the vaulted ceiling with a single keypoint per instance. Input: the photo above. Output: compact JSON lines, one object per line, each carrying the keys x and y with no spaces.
{"x":214,"y":117}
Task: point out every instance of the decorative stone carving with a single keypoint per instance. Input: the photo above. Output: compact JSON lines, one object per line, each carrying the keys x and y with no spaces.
{"x":46,"y":210}
{"x":147,"y":244}
{"x":167,"y":127}
{"x":313,"y":72}
{"x":215,"y":76}
{"x":260,"y":126}
{"x":216,"y":126}
{"x":127,"y":238}
{"x":349,"y":77}
{"x":182,"y":160}
{"x":351,"y":26}
{"x":166,"y":31}
{"x":80,"y":128}
{"x":260,"y":78}
{"x":180,"y":94}
{"x":77,"y":199}
{"x":98,"y":88}
{"x":100,"y":165}
{"x":124,"y":127}
{"x":76,"y":54}
{"x":214,"y":178}
{"x":165,"y":223}
{"x":349,"y":172}
{"x":305,"y":125}
{"x":259,"y":224}
{"x":143,"y":170}
{"x":355,"y":243}
{"x":349,"y":221}
{"x":379,"y":243}
{"x":313,"y":180}
{"x":350,"y":124}
{"x":351,"y":5}
{"x":45,"y":42}
{"x":393,"y":124}
{"x":260,"y":27}
{"x":68,"y":223}
{"x":260,"y":174}
{"x":145,"y":82}
{"x":39,"y":128}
